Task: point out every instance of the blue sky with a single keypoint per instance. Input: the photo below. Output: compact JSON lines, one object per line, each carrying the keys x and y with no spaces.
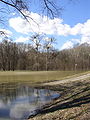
{"x":70,"y":28}
{"x":77,"y":11}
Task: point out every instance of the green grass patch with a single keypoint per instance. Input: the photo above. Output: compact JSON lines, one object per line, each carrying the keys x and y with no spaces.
{"x":35,"y":76}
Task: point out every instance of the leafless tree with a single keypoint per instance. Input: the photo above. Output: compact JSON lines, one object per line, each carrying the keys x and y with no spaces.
{"x":36,"y":41}
{"x":8,"y":55}
{"x":48,"y":46}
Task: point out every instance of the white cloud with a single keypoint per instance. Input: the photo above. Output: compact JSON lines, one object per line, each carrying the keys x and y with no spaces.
{"x":75,"y":41}
{"x":86,"y":28}
{"x":39,"y":24}
{"x":67,"y":45}
{"x":76,"y":29}
{"x":46,"y":25}
{"x":79,"y":29}
{"x":6,"y":32}
{"x":85,"y":39}
{"x":63,"y":29}
{"x":22,"y":39}
{"x":70,"y":44}
{"x":20,"y":25}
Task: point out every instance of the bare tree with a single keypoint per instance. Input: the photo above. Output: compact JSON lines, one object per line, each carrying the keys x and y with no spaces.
{"x":37,"y":45}
{"x":48,"y":45}
{"x":8,"y":55}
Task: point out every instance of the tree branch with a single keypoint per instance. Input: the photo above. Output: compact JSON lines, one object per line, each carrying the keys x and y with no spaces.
{"x":14,"y":6}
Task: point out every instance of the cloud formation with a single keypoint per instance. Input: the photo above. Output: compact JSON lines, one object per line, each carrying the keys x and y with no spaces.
{"x":39,"y":24}
{"x":71,"y":43}
{"x":46,"y":25}
{"x":67,"y":45}
{"x":22,"y":39}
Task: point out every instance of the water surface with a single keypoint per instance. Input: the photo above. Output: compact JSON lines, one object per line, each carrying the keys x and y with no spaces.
{"x":18,"y":102}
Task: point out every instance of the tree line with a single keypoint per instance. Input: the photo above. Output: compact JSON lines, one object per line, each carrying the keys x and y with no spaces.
{"x":40,"y":55}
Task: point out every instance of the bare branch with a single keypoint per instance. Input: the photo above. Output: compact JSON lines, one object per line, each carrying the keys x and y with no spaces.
{"x":52,"y":9}
{"x":48,"y":8}
{"x":18,"y":5}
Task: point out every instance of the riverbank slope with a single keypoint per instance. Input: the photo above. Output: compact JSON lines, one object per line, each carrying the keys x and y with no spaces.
{"x":74,"y":103}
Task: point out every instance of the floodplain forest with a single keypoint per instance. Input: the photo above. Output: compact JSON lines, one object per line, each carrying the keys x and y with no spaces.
{"x":42,"y":56}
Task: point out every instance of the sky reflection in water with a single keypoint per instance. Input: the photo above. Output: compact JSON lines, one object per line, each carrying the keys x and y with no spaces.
{"x":18,"y":102}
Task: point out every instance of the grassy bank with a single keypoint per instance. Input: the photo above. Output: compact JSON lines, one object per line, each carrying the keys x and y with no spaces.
{"x":34,"y":77}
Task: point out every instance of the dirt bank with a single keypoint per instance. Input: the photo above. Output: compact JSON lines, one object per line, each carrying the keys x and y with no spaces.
{"x":81,"y":77}
{"x":74,"y":103}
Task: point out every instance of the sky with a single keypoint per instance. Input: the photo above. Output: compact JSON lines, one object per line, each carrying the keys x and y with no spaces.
{"x":71,"y":27}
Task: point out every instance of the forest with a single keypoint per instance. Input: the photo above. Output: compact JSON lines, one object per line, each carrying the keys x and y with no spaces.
{"x":40,"y":55}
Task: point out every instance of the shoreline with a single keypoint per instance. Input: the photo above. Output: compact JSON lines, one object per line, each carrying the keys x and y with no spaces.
{"x":73,"y":104}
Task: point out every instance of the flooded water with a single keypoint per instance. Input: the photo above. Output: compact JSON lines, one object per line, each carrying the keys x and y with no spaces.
{"x":18,"y":102}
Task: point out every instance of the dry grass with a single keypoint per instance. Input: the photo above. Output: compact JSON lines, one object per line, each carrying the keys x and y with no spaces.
{"x":35,"y":77}
{"x":74,"y":103}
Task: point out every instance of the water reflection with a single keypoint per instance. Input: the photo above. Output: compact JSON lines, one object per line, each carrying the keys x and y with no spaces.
{"x":17,"y":102}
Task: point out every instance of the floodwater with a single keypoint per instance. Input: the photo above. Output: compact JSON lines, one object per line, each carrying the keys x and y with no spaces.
{"x":18,"y":102}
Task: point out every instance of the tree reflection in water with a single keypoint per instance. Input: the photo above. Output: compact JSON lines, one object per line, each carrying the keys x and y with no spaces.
{"x":17,"y":102}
